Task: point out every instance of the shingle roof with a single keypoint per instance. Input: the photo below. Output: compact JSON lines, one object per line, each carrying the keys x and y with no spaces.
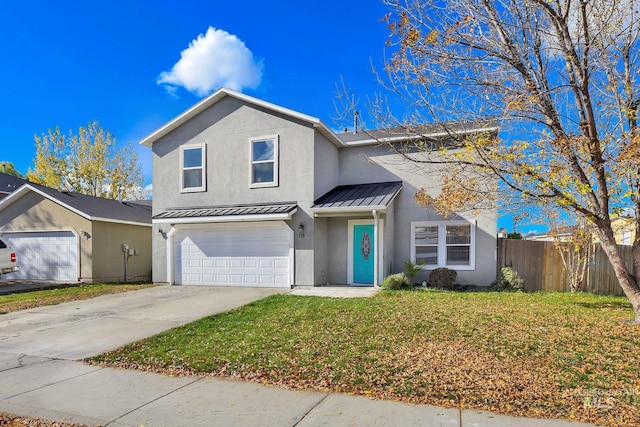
{"x":359,"y":196}
{"x":94,"y":208}
{"x":99,"y":208}
{"x":222,"y":211}
{"x":10,"y":183}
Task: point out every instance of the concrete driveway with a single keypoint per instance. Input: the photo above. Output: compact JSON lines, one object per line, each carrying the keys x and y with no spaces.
{"x":80,"y":329}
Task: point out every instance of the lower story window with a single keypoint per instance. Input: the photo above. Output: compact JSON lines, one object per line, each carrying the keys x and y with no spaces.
{"x":443,"y":244}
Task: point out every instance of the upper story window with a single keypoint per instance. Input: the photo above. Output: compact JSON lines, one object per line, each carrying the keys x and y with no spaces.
{"x":193,"y":162}
{"x":264,"y":162}
{"x":443,"y":244}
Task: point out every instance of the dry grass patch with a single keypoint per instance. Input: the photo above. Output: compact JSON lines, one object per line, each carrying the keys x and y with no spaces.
{"x":10,"y":420}
{"x":33,"y":299}
{"x":566,"y":356}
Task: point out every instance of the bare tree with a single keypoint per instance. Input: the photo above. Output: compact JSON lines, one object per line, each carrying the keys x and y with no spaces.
{"x":573,"y":239}
{"x":560,"y":75}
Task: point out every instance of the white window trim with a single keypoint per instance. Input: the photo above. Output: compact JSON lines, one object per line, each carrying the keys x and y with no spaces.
{"x":276,"y":156}
{"x":203,"y":187}
{"x":442,"y":245}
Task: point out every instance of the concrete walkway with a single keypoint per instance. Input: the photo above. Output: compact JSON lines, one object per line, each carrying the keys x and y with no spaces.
{"x":39,"y":377}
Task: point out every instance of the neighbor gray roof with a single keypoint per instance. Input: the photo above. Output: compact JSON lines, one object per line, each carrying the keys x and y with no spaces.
{"x":436,"y":130}
{"x":10,"y":183}
{"x":220,"y":211}
{"x":360,"y":196}
{"x":99,"y":208}
{"x":94,"y":208}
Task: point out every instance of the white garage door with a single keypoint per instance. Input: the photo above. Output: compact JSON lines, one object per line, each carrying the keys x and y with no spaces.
{"x":51,"y":255}
{"x":245,"y":254}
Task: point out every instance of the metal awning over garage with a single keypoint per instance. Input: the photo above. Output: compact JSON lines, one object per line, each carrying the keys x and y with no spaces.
{"x":255,"y":212}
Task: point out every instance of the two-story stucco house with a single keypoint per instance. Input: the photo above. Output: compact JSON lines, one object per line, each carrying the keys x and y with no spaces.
{"x":247,"y":193}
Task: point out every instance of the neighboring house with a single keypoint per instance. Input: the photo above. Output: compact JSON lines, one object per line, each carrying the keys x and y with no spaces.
{"x":624,"y":230}
{"x":9,"y":184}
{"x":70,"y":237}
{"x":563,"y":234}
{"x":248,"y":193}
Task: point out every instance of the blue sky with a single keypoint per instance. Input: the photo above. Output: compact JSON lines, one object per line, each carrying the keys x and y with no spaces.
{"x":135,"y":65}
{"x":67,"y":63}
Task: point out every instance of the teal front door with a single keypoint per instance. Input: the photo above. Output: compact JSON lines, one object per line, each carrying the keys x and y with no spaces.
{"x":363,"y":254}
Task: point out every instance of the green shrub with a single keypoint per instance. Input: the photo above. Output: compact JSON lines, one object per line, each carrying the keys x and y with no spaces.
{"x":411,"y":269}
{"x":508,"y":280}
{"x":396,"y":281}
{"x":443,"y":278}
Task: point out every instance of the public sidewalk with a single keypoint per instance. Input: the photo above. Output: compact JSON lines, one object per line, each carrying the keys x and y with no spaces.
{"x":73,"y":392}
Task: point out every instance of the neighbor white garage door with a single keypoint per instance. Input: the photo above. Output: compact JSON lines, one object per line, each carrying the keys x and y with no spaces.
{"x":51,"y":255}
{"x":238,"y":254}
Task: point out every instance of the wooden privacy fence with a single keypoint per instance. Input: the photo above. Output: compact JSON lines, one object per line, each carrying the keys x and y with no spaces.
{"x":540,"y":266}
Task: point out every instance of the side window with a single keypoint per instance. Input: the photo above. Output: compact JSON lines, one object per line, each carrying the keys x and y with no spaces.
{"x":264,"y":162}
{"x":193,"y":166}
{"x":426,"y":245}
{"x":2,"y":245}
{"x":458,"y":244}
{"x":443,"y":244}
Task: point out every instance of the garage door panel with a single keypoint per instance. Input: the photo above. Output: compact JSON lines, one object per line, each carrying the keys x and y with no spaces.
{"x":280,"y":280}
{"x":237,"y":257}
{"x":51,"y":255}
{"x":265,"y":263}
{"x":250,"y":279}
{"x":266,"y":280}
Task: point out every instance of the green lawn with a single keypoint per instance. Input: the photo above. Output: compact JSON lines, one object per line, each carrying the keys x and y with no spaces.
{"x":25,"y":300}
{"x":570,"y":356}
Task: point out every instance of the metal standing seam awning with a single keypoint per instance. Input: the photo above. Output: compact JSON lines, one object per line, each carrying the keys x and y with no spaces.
{"x":254,"y":212}
{"x":359,"y":199}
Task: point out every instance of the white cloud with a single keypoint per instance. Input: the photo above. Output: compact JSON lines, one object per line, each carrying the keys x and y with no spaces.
{"x":148,"y":191}
{"x":212,"y":60}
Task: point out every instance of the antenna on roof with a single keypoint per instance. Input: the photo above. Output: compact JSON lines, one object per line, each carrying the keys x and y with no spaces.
{"x":355,"y":122}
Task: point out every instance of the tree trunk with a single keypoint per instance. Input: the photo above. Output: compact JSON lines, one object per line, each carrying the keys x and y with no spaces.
{"x":628,"y":281}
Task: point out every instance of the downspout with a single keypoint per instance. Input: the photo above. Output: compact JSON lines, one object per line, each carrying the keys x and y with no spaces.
{"x":170,"y":253}
{"x":79,"y":248}
{"x":376,"y":254}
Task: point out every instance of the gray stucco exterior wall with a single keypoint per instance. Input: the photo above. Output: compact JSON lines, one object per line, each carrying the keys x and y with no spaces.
{"x":225,"y":130}
{"x":380,"y":163}
{"x":309,"y":166}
